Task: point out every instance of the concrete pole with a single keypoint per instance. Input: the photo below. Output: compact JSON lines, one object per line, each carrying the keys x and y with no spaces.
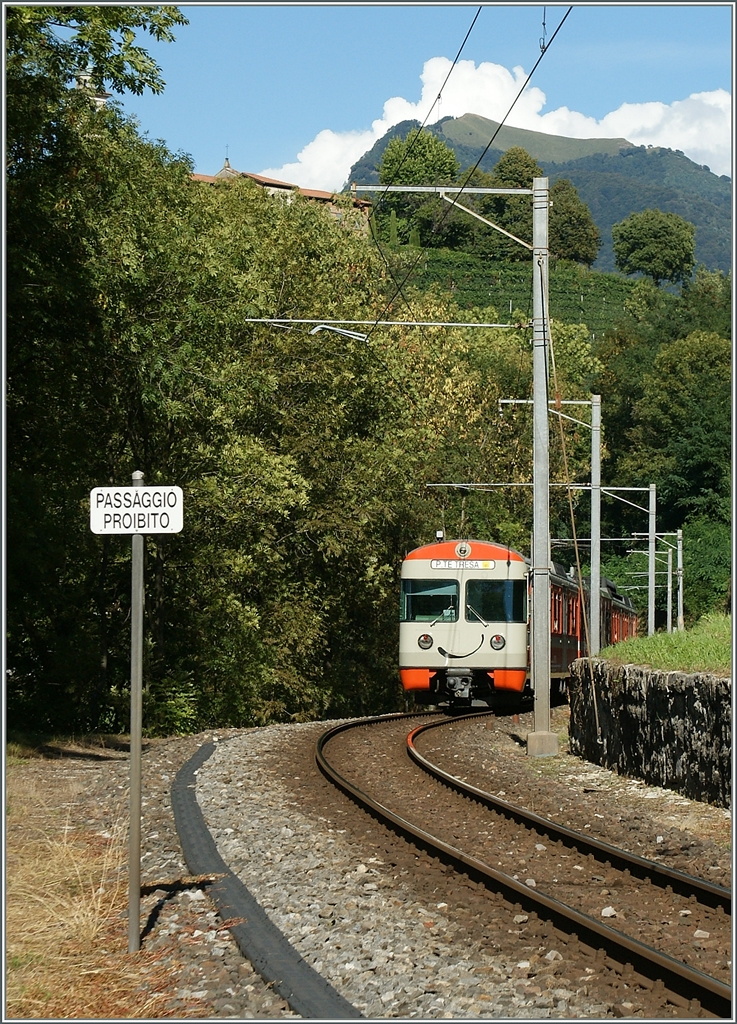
{"x":651,"y":538}
{"x":540,"y":742}
{"x":134,"y":839}
{"x":669,"y":617}
{"x":679,"y":572}
{"x":595,"y":613}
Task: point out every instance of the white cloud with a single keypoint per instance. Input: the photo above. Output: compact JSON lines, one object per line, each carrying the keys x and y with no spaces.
{"x":700,"y":125}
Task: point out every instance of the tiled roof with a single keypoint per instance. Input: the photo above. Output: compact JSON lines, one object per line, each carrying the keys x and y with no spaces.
{"x":310,"y":193}
{"x":274,"y":182}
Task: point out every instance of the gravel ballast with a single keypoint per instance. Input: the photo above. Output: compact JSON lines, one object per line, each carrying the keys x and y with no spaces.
{"x":365,"y":923}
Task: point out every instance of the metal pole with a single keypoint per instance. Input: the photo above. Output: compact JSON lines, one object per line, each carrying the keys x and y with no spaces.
{"x":651,"y":565}
{"x":669,"y":617}
{"x":679,"y":571}
{"x":541,"y":741}
{"x":595,"y":613}
{"x":134,"y":843}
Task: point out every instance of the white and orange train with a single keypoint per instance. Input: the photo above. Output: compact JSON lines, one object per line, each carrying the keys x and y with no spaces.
{"x":464,"y":622}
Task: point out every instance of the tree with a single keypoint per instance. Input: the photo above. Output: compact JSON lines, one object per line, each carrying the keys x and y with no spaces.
{"x":49,"y":48}
{"x":573,"y":233}
{"x":420,"y":159}
{"x":129,"y":291}
{"x":515,"y":169}
{"x":707,"y":565}
{"x":681,"y":435}
{"x":59,"y":43}
{"x":659,"y":245}
{"x":304,"y":458}
{"x":706,"y":303}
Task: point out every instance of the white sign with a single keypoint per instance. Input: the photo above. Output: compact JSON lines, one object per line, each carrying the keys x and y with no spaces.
{"x":466,"y":563}
{"x":136,"y":510}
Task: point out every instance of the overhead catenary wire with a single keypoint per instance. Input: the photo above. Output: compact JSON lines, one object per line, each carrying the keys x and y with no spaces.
{"x":469,"y":174}
{"x":522,"y":89}
{"x":398,"y":285}
{"x":435,"y":101}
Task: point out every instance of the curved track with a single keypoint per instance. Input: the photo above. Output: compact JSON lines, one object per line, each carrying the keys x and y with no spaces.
{"x":638,"y":962}
{"x":706,"y":892}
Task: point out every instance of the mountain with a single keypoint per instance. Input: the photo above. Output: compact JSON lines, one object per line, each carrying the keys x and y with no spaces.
{"x":642,"y":178}
{"x":468,"y":136}
{"x":613,"y":177}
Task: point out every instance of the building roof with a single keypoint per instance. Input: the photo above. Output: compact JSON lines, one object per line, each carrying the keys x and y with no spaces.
{"x":227,"y":172}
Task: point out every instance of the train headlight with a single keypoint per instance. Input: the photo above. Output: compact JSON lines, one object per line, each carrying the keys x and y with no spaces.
{"x":497,"y":641}
{"x":425,"y":642}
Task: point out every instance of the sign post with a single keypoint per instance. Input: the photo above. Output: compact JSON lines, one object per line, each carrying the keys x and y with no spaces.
{"x":134,"y":835}
{"x":136,"y":510}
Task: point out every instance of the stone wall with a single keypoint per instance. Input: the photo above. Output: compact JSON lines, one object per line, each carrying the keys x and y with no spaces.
{"x":668,"y":728}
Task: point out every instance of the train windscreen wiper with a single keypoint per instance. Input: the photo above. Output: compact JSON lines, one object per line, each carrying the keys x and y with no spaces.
{"x":442,"y":614}
{"x":471,"y":608}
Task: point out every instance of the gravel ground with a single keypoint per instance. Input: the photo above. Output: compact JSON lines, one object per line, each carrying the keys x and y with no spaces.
{"x":349,"y":912}
{"x":365,"y":921}
{"x":359,"y":914}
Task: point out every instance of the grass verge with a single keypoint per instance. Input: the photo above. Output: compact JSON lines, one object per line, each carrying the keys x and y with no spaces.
{"x":707,"y":647}
{"x":66,"y":904}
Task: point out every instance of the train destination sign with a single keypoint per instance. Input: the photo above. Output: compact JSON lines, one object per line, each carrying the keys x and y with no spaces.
{"x":136,"y":510}
{"x":461,"y":563}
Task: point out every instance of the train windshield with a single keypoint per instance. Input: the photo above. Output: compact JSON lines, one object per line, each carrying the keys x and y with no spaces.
{"x":429,"y":601}
{"x":496,"y":600}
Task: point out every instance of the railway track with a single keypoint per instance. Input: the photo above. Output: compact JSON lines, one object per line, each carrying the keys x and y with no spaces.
{"x":647,"y":927}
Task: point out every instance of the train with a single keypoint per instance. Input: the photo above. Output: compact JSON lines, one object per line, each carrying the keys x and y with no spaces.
{"x":464,"y":623}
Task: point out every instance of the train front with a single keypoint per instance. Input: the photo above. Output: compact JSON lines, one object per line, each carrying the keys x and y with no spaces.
{"x":463,"y":622}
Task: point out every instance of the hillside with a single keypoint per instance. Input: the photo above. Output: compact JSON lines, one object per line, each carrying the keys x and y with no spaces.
{"x":612,"y":176}
{"x":473,"y":131}
{"x":577,"y":294}
{"x":468,"y":136}
{"x":643,"y":178}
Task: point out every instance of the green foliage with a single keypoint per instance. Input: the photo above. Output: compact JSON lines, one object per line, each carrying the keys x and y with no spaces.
{"x":516,"y":169}
{"x":304,"y":458}
{"x":681,"y":435}
{"x":419,"y":159}
{"x":707,"y":565}
{"x":612,"y":178}
{"x":573,"y":234}
{"x":659,"y":245}
{"x":706,"y":303}
{"x":640,"y":178}
{"x":627,"y":353}
{"x":130,"y":351}
{"x":468,"y":136}
{"x":422,"y":159}
{"x":59,"y":43}
{"x":170,"y":707}
{"x":577,"y":294}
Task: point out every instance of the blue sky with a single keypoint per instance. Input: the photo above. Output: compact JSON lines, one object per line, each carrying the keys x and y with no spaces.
{"x":301,"y":91}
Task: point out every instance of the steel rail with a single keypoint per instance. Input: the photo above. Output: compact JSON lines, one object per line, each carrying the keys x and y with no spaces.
{"x":687,"y":982}
{"x":659,"y":874}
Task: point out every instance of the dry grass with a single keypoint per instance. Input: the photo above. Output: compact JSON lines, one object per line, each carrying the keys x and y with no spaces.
{"x":66,"y":907}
